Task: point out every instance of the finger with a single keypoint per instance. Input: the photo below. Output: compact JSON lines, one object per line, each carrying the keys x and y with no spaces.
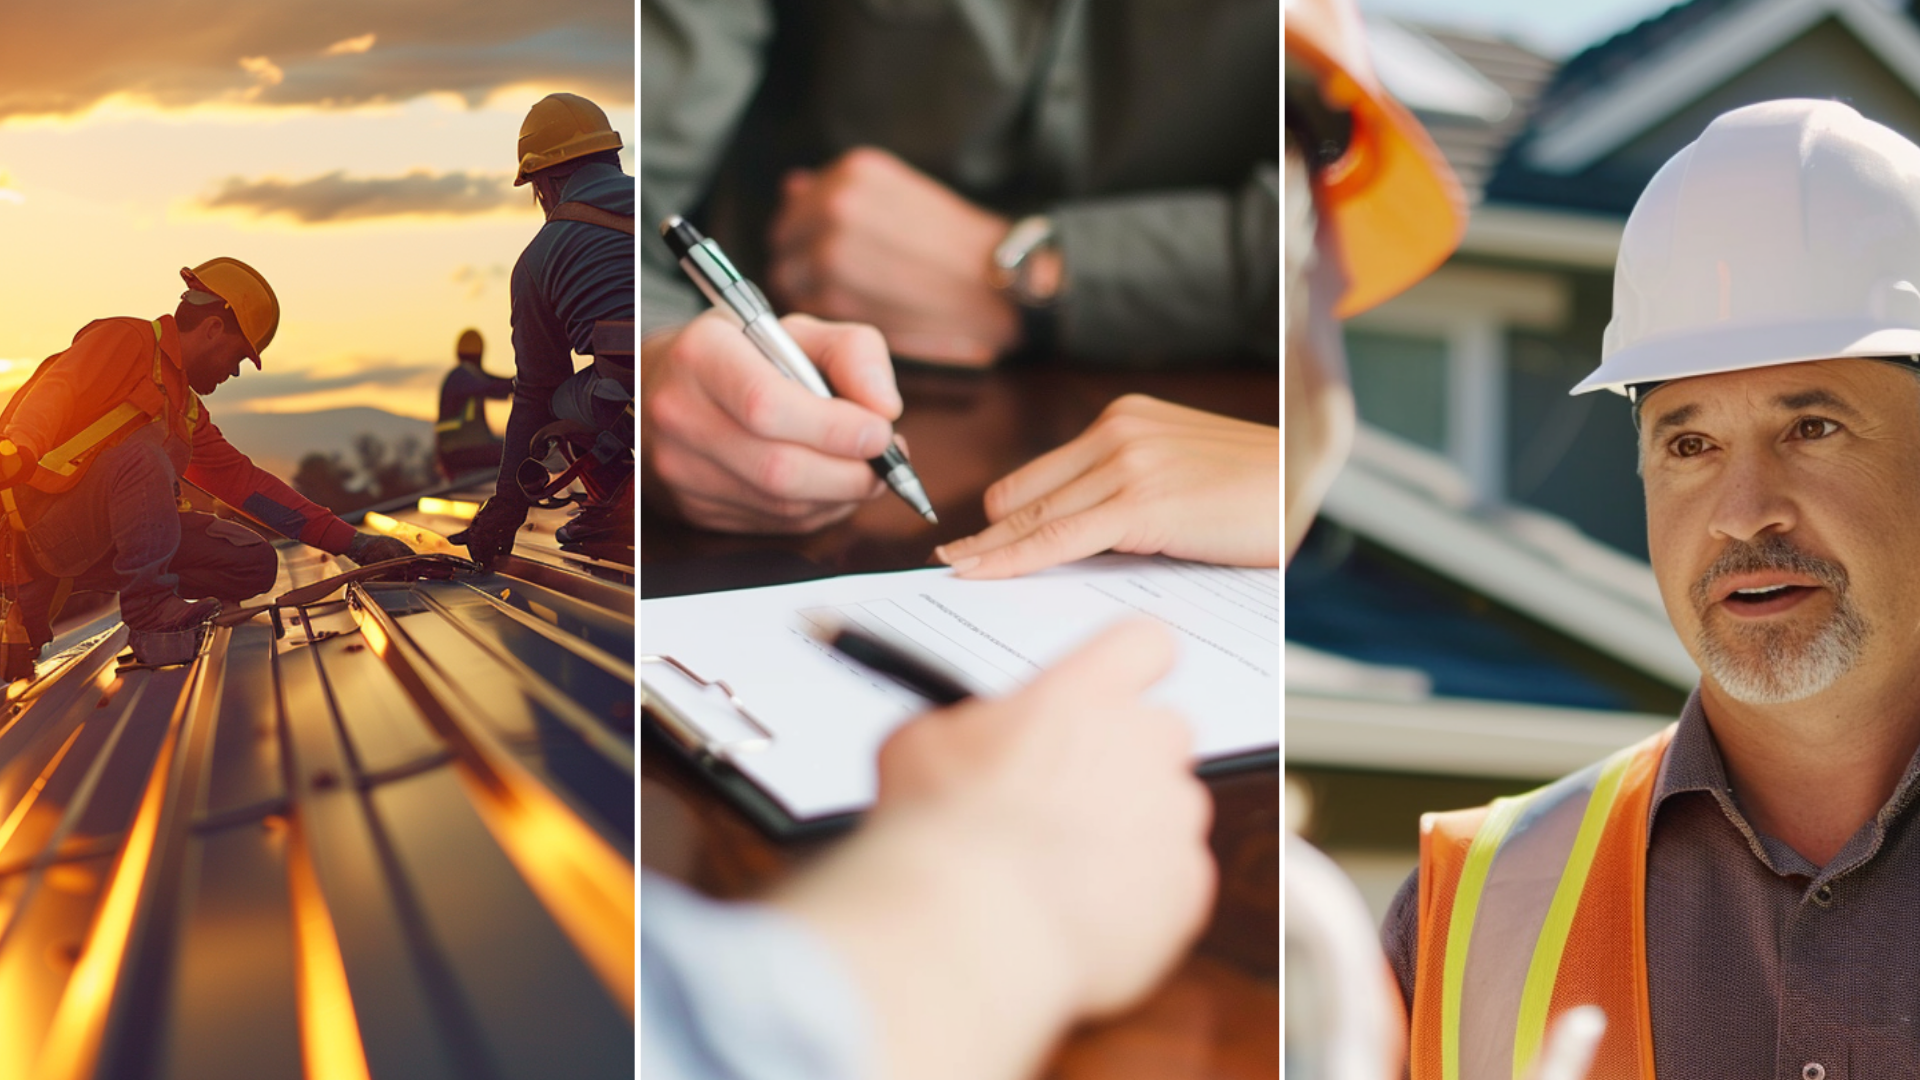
{"x":1083,"y":493}
{"x":799,"y":217}
{"x":782,"y":480}
{"x":769,"y":406}
{"x":1122,"y":660}
{"x":1050,"y":471}
{"x":854,"y":360}
{"x":1061,"y":540}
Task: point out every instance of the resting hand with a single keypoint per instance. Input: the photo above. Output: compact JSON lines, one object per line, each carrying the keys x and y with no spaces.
{"x":734,"y":445}
{"x":1148,"y":477}
{"x":870,"y":239}
{"x":1045,"y":853}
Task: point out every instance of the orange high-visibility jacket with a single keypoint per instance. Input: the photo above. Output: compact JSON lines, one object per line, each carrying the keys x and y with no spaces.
{"x":1530,"y":907}
{"x":71,"y":411}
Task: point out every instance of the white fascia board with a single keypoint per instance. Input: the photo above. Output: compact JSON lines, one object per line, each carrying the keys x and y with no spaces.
{"x":1509,"y":571}
{"x":1455,"y":296}
{"x":1673,"y":78}
{"x":1456,"y":736}
{"x":1562,"y":238}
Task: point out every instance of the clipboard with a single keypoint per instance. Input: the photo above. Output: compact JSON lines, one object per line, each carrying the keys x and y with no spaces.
{"x":736,"y":684}
{"x":681,"y":732}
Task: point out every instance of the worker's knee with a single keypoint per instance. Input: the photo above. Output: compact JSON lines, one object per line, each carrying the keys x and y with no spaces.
{"x":133,"y":464}
{"x":225,"y":560}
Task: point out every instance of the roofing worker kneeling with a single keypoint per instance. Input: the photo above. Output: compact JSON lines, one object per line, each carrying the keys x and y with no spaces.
{"x":92,"y":449}
{"x":1738,"y":892}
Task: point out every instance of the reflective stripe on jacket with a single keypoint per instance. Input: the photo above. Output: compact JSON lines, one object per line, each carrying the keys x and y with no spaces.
{"x":1532,"y":906}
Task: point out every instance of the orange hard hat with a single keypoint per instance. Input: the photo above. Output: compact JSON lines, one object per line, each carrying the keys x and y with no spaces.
{"x":470,"y":343}
{"x":561,"y":127}
{"x":1397,"y":209}
{"x":246,"y":294}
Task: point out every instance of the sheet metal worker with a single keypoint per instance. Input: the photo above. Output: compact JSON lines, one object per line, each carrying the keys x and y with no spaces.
{"x":1087,"y":182}
{"x":92,"y":449}
{"x":462,"y":441}
{"x":572,"y":293}
{"x":1735,"y":891}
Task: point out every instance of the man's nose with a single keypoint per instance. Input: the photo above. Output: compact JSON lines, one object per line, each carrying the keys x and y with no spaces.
{"x":1753,"y":497}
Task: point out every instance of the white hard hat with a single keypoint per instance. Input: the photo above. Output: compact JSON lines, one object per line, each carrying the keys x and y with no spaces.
{"x":1788,"y":231}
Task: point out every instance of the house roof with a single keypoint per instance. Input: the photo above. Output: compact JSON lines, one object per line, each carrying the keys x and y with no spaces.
{"x":1473,"y":145}
{"x":389,"y":832}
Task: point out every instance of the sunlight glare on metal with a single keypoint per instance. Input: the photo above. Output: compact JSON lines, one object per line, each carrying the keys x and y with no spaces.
{"x":329,"y":1029}
{"x":453,"y":508}
{"x":73,"y":1042}
{"x":19,"y":814}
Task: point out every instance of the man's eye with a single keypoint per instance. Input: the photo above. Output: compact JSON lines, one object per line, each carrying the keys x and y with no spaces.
{"x":1688,"y":446}
{"x":1812,"y":427}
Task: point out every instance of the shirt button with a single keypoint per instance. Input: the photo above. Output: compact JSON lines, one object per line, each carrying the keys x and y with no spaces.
{"x":1813,"y":1070}
{"x":1824,"y":897}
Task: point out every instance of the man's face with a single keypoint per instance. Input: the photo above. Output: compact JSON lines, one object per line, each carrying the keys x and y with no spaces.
{"x":1783,"y":517}
{"x":211,"y":355}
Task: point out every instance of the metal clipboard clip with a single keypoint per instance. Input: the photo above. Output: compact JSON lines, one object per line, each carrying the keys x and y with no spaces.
{"x":703,"y":715}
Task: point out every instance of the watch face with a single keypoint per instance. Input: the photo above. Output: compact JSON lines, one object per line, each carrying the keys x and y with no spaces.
{"x":1012,"y":258}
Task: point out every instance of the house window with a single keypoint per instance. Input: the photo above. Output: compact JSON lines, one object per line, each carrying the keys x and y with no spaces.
{"x":1400,"y":383}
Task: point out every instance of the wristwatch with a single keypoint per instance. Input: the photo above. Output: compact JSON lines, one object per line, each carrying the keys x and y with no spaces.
{"x":1011,"y":270}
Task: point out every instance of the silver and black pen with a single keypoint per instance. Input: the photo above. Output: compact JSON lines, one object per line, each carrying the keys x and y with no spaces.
{"x":724,"y":287}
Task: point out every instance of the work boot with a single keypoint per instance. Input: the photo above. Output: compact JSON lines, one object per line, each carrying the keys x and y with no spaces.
{"x":166,"y":630}
{"x":603,"y":523}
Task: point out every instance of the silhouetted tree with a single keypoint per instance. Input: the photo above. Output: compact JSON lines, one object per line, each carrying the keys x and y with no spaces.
{"x":382,"y":473}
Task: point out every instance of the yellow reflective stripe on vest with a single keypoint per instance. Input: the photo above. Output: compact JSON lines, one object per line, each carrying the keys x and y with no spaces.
{"x":1500,"y":818}
{"x":1537,"y":994}
{"x":60,"y":460}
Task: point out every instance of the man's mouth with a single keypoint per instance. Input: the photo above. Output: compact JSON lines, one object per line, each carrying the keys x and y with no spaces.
{"x":1766,"y":598}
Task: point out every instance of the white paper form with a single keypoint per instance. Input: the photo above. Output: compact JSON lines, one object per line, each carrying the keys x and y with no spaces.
{"x":826,"y":717}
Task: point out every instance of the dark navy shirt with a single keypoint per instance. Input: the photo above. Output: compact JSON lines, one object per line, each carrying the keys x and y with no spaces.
{"x":572,"y":275}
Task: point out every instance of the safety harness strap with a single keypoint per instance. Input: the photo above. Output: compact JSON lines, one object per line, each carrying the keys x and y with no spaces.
{"x":592,"y":215}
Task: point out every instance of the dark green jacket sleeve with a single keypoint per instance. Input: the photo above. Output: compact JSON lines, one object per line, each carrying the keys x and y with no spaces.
{"x":700,"y":63}
{"x":1182,"y":273}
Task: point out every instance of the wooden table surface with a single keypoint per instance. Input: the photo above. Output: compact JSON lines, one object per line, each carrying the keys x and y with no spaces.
{"x":1218,"y":1014}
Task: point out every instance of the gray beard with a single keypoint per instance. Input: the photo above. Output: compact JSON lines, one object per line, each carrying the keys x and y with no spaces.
{"x":1772,"y":665}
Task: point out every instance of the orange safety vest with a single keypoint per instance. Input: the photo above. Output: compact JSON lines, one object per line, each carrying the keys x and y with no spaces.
{"x":60,"y":468}
{"x":1532,"y":906}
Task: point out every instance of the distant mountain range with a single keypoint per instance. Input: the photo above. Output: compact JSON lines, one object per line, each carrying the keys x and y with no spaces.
{"x":277,"y":441}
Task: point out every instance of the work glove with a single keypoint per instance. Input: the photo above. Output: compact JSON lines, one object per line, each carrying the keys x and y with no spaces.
{"x":16,"y":463}
{"x":491,"y":534}
{"x":372,"y":548}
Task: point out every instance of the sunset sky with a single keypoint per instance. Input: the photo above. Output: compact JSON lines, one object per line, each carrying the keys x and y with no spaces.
{"x":360,"y":154}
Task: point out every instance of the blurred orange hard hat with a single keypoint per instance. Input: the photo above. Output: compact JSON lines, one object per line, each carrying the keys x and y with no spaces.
{"x":470,"y":344}
{"x":246,"y":294}
{"x":1397,"y":209}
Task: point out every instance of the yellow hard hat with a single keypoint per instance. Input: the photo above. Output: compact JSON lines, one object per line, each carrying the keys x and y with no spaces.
{"x":1397,"y":208}
{"x":561,"y":127}
{"x":470,"y":344}
{"x":246,"y":294}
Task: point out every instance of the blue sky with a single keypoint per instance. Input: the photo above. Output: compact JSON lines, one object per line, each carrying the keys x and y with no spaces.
{"x":1559,"y":27}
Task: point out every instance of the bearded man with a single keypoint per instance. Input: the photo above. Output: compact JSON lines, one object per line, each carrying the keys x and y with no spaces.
{"x":1732,"y":892}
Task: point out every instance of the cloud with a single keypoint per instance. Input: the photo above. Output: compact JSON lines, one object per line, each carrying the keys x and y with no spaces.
{"x":254,"y":387}
{"x":57,"y":59}
{"x":477,"y":278}
{"x":350,"y":45}
{"x":339,"y":197}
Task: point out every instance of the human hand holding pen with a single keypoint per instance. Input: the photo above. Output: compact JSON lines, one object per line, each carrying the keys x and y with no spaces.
{"x":1148,"y":477}
{"x":735,"y":446}
{"x":1032,"y":860}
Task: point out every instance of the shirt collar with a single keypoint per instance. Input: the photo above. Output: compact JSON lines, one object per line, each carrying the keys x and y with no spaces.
{"x":1693,"y":763}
